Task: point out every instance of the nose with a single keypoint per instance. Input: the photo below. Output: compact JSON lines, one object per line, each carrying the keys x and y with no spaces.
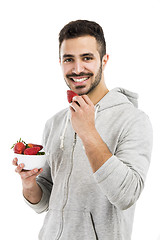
{"x":78,"y":67}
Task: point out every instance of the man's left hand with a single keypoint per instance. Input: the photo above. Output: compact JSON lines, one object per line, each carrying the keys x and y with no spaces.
{"x":82,"y":115}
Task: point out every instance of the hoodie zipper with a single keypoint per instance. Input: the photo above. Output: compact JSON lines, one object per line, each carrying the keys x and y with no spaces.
{"x":66,"y":188}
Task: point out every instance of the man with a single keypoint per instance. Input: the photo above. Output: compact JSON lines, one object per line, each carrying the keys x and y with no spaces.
{"x":99,"y":149}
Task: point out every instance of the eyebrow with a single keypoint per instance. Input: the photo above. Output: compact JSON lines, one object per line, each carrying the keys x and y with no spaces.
{"x":68,"y":55}
{"x":87,"y":54}
{"x":81,"y":55}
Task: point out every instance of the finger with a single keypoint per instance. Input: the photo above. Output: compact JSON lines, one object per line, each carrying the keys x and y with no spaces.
{"x":79,"y":100}
{"x":74,"y":107}
{"x":14,"y":162}
{"x":19,"y":168}
{"x":39,"y":171}
{"x":87,"y":100}
{"x":32,"y":173}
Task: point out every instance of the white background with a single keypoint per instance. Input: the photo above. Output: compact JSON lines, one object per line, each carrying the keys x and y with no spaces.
{"x":33,"y":89}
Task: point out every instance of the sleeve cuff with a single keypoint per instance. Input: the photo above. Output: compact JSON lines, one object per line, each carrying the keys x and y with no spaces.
{"x":42,"y":205}
{"x":106,"y":169}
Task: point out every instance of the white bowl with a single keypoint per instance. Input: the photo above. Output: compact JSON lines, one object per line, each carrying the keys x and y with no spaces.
{"x":31,"y":161}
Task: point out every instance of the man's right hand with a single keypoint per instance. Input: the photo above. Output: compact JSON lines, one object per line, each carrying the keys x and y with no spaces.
{"x":31,"y":190}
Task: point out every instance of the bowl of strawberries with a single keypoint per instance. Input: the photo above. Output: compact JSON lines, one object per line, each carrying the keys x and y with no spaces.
{"x":31,"y":155}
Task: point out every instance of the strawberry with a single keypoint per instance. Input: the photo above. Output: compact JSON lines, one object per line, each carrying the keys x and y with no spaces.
{"x":31,"y":145}
{"x":70,"y":95}
{"x":31,"y":151}
{"x":19,"y":148}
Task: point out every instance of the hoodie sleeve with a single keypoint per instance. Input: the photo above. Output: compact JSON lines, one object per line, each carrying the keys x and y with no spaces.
{"x":121,"y":178}
{"x":45,"y":183}
{"x":44,"y":180}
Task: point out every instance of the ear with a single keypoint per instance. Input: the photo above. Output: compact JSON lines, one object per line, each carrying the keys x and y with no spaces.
{"x":105,"y":60}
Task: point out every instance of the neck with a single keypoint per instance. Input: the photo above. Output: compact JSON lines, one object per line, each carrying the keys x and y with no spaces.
{"x":98,"y":93}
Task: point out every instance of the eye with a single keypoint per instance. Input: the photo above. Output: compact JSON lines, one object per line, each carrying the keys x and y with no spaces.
{"x":67,"y":60}
{"x":87,"y":58}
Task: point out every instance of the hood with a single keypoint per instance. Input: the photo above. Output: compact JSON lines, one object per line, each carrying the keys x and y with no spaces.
{"x":118,"y":96}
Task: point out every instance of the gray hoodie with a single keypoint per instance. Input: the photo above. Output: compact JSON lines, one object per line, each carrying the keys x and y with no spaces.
{"x":80,"y":204}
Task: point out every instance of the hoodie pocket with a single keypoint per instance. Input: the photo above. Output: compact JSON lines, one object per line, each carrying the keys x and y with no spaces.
{"x":78,"y":225}
{"x":68,"y":225}
{"x":91,"y":226}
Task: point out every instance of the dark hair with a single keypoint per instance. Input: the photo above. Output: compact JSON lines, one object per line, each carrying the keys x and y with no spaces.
{"x":80,"y":28}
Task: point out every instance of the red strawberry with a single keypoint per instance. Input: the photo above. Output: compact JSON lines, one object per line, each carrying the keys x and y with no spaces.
{"x":31,"y":145}
{"x":70,"y":95}
{"x":19,"y":147}
{"x":31,"y":151}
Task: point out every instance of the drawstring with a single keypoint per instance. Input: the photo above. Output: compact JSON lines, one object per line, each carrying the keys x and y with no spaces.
{"x":64,"y":130}
{"x":96,"y":110}
{"x":66,"y":123}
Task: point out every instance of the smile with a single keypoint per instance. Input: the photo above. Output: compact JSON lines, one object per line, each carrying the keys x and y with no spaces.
{"x":78,"y":80}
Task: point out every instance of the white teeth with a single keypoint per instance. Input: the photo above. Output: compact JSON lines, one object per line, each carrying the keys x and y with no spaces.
{"x":79,"y":80}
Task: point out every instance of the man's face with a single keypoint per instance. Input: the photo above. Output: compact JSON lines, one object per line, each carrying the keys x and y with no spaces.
{"x":81,"y":64}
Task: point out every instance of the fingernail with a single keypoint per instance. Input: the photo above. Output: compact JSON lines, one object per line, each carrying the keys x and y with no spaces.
{"x":35,"y":170}
{"x":74,"y":98}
